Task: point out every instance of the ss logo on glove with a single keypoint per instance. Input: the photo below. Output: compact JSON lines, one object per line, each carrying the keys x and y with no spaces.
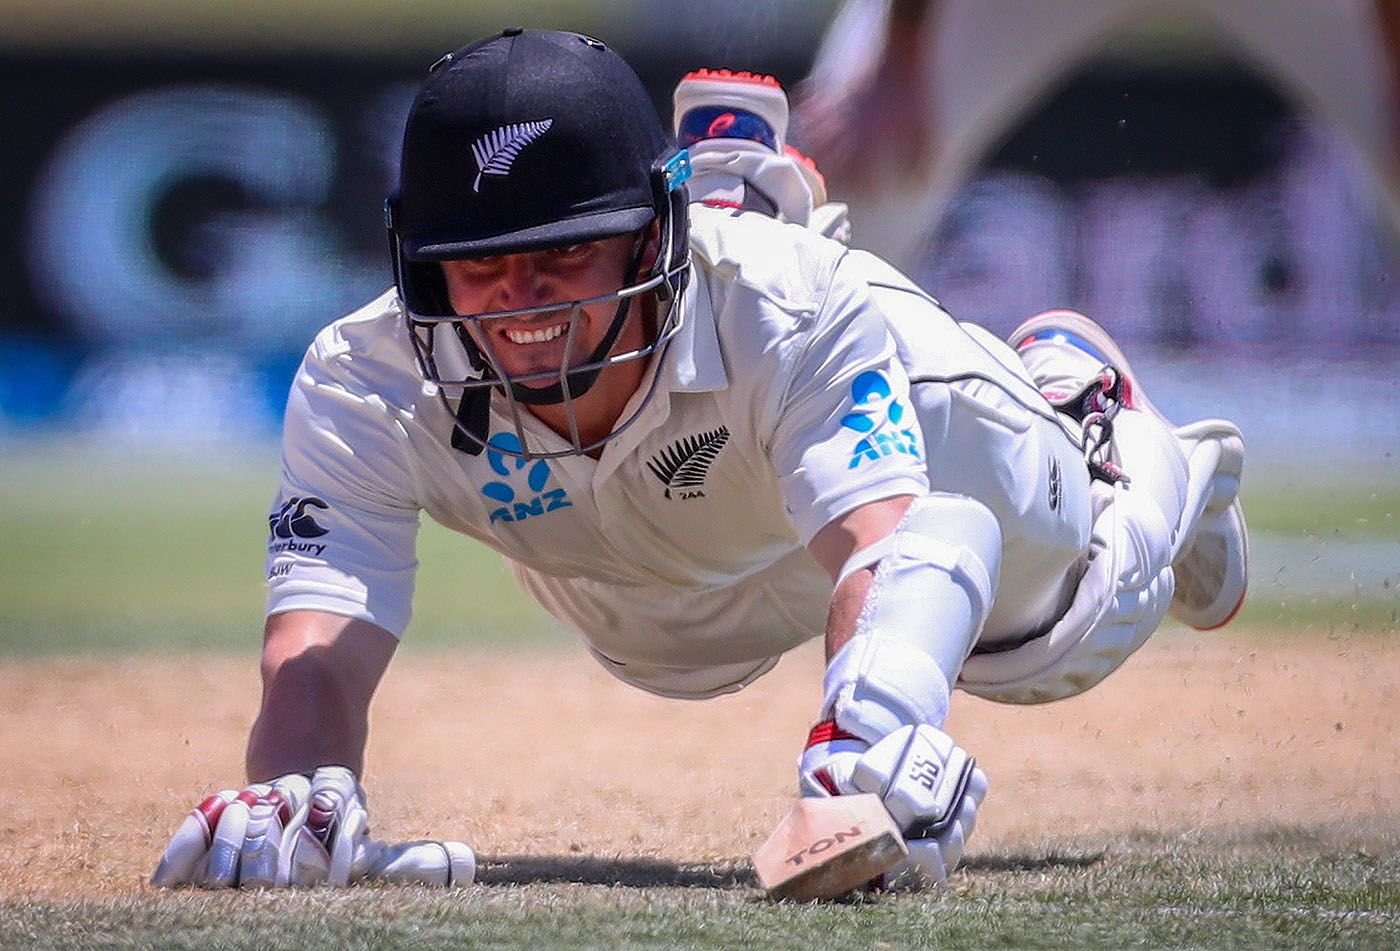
{"x":924,"y":771}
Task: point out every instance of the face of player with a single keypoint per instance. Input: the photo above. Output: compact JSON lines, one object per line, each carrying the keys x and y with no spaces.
{"x":539,"y":342}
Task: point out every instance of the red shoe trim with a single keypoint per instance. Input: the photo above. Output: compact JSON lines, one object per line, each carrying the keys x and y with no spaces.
{"x":1229,"y":617}
{"x":806,"y":161}
{"x":722,"y":203}
{"x":728,"y":75}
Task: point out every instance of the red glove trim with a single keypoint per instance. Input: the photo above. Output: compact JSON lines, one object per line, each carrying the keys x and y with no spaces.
{"x":210,"y":811}
{"x":284,"y":808}
{"x":829,"y":784}
{"x":825,"y":732}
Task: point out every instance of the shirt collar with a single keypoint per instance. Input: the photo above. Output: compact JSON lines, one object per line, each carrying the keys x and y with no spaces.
{"x":693,"y":362}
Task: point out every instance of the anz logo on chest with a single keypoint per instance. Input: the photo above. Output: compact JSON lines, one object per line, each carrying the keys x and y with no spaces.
{"x":885,"y":425}
{"x":526,"y":488}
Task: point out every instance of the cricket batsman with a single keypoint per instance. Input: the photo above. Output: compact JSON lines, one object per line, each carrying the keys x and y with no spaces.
{"x":701,"y":431}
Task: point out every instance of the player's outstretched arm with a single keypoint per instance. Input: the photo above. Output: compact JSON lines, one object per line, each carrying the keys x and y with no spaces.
{"x":858,"y":530}
{"x":319,"y":672}
{"x":914,"y":577}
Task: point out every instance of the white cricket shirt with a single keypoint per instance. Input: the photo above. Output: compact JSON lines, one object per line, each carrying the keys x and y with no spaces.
{"x":679,"y":555}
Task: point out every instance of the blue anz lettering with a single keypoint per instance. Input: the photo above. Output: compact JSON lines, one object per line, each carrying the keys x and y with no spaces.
{"x":877,"y":415}
{"x":524,"y":490}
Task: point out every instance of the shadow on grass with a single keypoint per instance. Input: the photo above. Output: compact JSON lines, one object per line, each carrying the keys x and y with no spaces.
{"x":628,"y":872}
{"x":658,"y":873}
{"x":1030,"y":863}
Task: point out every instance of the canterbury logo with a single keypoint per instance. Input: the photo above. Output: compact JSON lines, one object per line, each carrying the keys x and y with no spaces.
{"x":496,"y":152}
{"x":292,"y":520}
{"x":684,"y":465}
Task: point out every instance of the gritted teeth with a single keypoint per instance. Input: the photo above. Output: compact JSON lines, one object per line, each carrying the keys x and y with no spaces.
{"x":535,"y":336}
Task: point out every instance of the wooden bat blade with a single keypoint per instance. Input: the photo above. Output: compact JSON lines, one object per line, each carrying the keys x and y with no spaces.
{"x":824,"y":848}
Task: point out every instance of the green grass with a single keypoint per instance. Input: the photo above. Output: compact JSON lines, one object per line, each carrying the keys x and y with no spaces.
{"x":171,"y":559}
{"x":1323,"y":615}
{"x":168,"y":556}
{"x":1281,"y":888}
{"x":1346,"y":512}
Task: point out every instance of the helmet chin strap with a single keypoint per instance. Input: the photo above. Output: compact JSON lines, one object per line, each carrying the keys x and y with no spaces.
{"x":581,"y":381}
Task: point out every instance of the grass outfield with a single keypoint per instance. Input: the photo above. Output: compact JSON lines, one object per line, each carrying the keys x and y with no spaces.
{"x":1215,"y":793}
{"x":170,"y":559}
{"x":1186,"y":892}
{"x":1212,"y":793}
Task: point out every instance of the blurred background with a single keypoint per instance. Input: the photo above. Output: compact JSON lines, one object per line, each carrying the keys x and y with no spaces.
{"x":192,"y":189}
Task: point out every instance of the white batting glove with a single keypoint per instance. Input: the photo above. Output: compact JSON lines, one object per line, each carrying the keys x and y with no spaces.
{"x":297,"y":831}
{"x":292,"y":831}
{"x":930,"y":785}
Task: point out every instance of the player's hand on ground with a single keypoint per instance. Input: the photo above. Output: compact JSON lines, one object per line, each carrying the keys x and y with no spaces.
{"x":300,"y":831}
{"x":930,"y":785}
{"x":294,"y":830}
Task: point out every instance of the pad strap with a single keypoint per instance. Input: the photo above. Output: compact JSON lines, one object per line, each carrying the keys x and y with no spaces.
{"x":866,"y":557}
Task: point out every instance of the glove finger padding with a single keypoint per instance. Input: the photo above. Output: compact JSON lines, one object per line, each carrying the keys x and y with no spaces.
{"x":190,"y":843}
{"x":310,"y":863}
{"x":262,"y":844}
{"x":221,"y":863}
{"x":932,"y":860}
{"x":422,"y":862}
{"x":272,"y":825}
{"x":296,"y":792}
{"x":925,"y":867}
{"x":337,"y":821}
{"x":932,"y":788}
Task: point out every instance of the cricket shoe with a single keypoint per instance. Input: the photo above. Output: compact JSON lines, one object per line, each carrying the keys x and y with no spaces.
{"x":716,"y":104}
{"x":735,"y":126}
{"x":1083,"y":373}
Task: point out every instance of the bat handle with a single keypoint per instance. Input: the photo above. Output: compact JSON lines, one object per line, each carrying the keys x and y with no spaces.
{"x":425,"y":862}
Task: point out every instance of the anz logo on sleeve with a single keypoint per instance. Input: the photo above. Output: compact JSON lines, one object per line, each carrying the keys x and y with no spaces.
{"x":886,"y":425}
{"x":526,"y":488}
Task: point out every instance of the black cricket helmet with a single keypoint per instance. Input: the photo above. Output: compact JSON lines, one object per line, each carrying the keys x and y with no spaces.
{"x":526,"y":141}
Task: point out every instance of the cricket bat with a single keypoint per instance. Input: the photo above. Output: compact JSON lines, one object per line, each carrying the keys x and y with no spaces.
{"x":825,"y":848}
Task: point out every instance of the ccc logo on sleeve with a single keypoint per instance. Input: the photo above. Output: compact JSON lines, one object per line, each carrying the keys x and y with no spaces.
{"x":877,"y":416}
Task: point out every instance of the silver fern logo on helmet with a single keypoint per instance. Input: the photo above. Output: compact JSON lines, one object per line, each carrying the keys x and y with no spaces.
{"x":496,"y":152}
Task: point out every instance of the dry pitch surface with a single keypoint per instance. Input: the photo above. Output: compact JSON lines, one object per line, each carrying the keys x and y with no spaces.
{"x":540,"y":760}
